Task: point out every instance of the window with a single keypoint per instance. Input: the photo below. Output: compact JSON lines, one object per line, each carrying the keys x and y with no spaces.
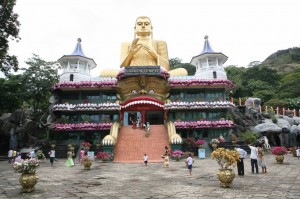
{"x":70,"y":96}
{"x":71,"y":77}
{"x":194,"y":95}
{"x":212,"y":62}
{"x":108,"y":95}
{"x":175,"y":95}
{"x":215,"y":95}
{"x":91,"y":95}
{"x":215,"y":75}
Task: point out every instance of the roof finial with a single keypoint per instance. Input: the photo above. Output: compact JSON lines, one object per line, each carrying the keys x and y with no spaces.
{"x":206,"y":37}
{"x":79,"y":40}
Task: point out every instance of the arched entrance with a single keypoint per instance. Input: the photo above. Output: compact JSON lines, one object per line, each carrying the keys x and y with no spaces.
{"x":142,"y":109}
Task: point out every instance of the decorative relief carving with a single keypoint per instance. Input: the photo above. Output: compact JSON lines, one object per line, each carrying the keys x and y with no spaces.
{"x":130,"y":87}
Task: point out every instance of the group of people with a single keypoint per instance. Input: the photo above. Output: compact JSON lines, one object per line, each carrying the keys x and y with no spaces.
{"x":138,"y":124}
{"x":71,"y":157}
{"x":166,"y":156}
{"x":12,"y":154}
{"x":256,"y":158}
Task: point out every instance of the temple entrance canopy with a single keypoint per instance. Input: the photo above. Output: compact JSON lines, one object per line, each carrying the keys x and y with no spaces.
{"x":142,"y":109}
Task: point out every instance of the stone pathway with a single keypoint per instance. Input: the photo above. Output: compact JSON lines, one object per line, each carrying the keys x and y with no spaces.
{"x":127,"y":181}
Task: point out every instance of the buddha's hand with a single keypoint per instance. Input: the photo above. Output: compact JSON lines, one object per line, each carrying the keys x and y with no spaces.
{"x":134,"y":47}
{"x":151,"y":51}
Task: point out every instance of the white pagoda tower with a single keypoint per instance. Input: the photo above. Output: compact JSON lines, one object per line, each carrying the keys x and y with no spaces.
{"x":76,"y":67}
{"x":209,"y":64}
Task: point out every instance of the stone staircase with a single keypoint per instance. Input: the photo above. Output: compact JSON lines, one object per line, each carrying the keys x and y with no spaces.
{"x":133,"y":144}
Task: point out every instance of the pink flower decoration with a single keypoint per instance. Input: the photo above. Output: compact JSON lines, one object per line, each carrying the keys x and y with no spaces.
{"x":82,"y":126}
{"x":197,"y":82}
{"x":204,"y":124}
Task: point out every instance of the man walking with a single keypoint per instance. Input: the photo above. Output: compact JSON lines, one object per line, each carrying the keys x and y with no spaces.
{"x":253,"y":157}
{"x":240,"y":164}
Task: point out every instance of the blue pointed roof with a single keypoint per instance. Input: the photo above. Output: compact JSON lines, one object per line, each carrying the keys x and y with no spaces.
{"x":78,"y":49}
{"x":208,"y":52}
{"x":78,"y":53}
{"x":207,"y":48}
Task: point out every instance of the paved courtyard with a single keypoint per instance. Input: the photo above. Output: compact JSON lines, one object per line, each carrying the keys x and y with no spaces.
{"x":119,"y":180}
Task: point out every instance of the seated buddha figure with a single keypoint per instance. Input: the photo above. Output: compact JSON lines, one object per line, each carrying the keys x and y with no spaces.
{"x":145,"y":51}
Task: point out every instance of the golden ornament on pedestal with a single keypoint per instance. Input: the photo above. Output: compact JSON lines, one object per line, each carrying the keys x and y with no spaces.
{"x":279,"y":158}
{"x":87,"y":164}
{"x":226,"y":177}
{"x":28,"y":181}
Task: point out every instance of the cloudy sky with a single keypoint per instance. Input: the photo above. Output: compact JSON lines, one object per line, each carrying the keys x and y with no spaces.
{"x":245,"y":31}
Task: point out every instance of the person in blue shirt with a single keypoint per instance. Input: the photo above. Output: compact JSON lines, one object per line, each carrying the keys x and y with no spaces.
{"x":240,"y":163}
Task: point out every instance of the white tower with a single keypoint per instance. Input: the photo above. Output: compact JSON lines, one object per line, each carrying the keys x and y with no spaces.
{"x":209,"y":64}
{"x":76,"y":67}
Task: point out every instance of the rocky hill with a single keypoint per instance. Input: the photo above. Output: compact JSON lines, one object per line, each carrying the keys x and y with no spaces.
{"x":284,"y":61}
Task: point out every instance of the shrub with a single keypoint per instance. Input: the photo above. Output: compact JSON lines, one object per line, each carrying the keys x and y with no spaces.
{"x":200,"y":142}
{"x":103,"y":155}
{"x":190,"y":141}
{"x":40,"y":155}
{"x":176,"y":153}
{"x":249,"y":137}
{"x":279,"y":150}
{"x":274,"y":119}
{"x":225,"y":157}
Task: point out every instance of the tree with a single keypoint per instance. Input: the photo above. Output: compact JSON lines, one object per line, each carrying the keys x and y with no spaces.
{"x":11,"y":94}
{"x":9,"y":29}
{"x":289,"y":82}
{"x":234,"y":74}
{"x":37,"y":81}
{"x":174,"y":61}
{"x":191,"y":69}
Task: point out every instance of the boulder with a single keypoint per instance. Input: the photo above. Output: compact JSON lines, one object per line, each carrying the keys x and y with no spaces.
{"x":296,"y":120}
{"x":267,"y":127}
{"x":290,"y":120}
{"x":284,"y":125}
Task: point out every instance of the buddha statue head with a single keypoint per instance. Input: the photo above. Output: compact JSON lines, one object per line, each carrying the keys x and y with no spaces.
{"x":143,"y":27}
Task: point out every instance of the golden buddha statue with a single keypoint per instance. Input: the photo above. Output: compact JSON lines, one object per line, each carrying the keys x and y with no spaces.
{"x":145,"y":51}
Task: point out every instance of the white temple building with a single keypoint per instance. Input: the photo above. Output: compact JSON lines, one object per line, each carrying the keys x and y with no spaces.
{"x":76,"y":66}
{"x":209,"y":64}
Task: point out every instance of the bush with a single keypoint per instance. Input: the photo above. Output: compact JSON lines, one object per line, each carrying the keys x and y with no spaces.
{"x":103,"y":155}
{"x":40,"y":155}
{"x":186,"y":154}
{"x":279,"y":150}
{"x":274,"y":119}
{"x":249,"y":137}
{"x":190,"y":141}
{"x":200,"y":142}
{"x":176,"y":153}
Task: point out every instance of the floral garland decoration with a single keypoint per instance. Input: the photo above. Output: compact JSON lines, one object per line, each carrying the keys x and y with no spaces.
{"x":86,"y":107}
{"x":203,"y":124}
{"x":86,"y":84}
{"x":198,"y":105}
{"x":82,"y":126}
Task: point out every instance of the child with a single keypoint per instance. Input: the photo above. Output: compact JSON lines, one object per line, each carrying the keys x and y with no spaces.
{"x":261,"y":159}
{"x":298,"y":152}
{"x":145,"y":159}
{"x":189,"y":162}
{"x":263,"y":166}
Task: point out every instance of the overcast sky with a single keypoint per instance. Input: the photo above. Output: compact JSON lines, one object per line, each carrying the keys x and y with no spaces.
{"x":243,"y":30}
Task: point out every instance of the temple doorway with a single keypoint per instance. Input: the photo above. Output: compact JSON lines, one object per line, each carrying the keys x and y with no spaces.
{"x":131,"y":116}
{"x":155,"y":117}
